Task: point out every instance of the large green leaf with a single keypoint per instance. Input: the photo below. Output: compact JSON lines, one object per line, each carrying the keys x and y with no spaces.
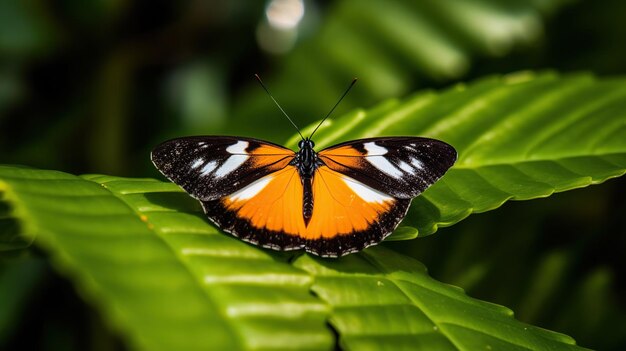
{"x":140,"y":250}
{"x":386,"y":301}
{"x":162,"y":274}
{"x":519,"y":137}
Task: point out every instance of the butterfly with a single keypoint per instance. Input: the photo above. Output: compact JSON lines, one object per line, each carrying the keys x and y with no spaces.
{"x":331,"y":202}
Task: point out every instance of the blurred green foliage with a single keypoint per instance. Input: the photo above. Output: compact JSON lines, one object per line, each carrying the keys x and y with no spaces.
{"x":91,"y":86}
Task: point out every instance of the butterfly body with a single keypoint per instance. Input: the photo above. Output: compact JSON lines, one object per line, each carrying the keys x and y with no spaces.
{"x":306,"y":161}
{"x":331,"y":203}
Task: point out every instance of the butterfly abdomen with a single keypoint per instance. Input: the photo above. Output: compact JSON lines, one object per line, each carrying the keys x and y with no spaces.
{"x":307,"y":200}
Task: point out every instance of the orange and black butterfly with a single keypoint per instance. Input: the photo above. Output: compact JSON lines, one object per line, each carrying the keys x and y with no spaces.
{"x":330,"y":203}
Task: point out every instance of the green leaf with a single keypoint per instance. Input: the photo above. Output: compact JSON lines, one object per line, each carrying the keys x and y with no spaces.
{"x":140,"y":250}
{"x":385,"y":301}
{"x":13,"y":235}
{"x":519,"y":137}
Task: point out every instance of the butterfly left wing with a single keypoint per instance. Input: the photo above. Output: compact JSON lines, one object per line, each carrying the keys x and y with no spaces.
{"x":402,"y":167}
{"x":211,"y":167}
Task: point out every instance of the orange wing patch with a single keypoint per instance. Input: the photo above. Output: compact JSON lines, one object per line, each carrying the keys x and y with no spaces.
{"x":341,"y":205}
{"x":341,"y":157}
{"x":273,"y":202}
{"x":270,"y":156}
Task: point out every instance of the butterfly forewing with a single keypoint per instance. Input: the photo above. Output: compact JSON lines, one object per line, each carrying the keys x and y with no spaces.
{"x":402,"y":167}
{"x":209,"y":168}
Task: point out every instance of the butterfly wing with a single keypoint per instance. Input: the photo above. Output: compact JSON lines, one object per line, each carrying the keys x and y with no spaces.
{"x":402,"y":167}
{"x":211,"y":167}
{"x":267,"y":212}
{"x":365,"y":187}
{"x":349,"y":215}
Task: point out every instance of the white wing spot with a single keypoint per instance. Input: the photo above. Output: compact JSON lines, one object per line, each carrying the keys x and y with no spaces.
{"x":197,"y":163}
{"x":239,"y":148}
{"x":250,"y":190}
{"x":406,"y":167}
{"x":374,"y":153}
{"x":365,"y":192}
{"x":209,"y":167}
{"x":374,"y":150}
{"x":231,"y":164}
{"x":235,"y":161}
{"x":417,"y":163}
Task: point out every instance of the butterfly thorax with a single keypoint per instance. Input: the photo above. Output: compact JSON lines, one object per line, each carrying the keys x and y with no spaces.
{"x":306,"y":159}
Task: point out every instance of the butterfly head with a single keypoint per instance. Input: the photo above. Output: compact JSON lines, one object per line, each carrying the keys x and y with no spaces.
{"x":306,"y":159}
{"x":306,"y":144}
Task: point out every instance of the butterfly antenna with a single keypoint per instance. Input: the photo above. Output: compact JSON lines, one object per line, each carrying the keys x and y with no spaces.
{"x":276,"y":102}
{"x":333,"y":109}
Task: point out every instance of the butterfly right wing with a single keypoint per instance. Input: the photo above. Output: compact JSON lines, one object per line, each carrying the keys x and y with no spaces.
{"x":402,"y":167}
{"x":211,"y":167}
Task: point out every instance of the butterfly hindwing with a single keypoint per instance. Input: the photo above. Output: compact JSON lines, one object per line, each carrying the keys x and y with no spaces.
{"x":402,"y":167}
{"x":267,"y":212}
{"x":347,"y":215}
{"x":209,"y":168}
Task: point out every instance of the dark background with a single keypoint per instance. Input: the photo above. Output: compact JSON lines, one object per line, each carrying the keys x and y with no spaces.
{"x":92,"y":86}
